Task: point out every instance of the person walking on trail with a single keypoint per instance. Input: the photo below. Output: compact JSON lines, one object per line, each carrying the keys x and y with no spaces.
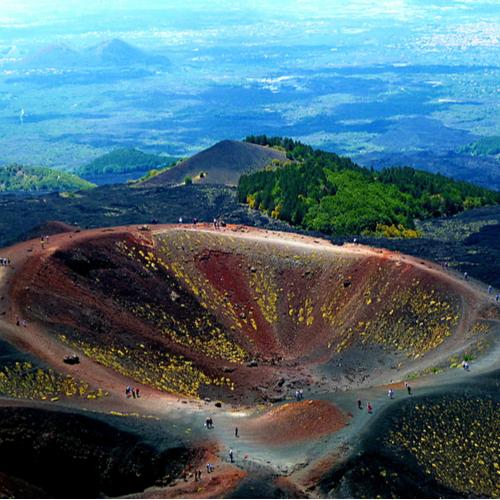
{"x":408,"y":388}
{"x":231,"y":456}
{"x":137,"y":391}
{"x":390,"y":393}
{"x":490,"y":288}
{"x":466,"y":274}
{"x":497,"y":297}
{"x":369,"y":408}
{"x":301,"y":394}
{"x":360,"y":407}
{"x":208,"y":468}
{"x":236,"y":432}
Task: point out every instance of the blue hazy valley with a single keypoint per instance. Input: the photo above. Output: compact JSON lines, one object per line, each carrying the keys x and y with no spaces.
{"x":403,"y":82}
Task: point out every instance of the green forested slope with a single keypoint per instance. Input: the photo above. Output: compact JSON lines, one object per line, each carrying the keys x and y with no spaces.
{"x":124,"y":160}
{"x":22,"y":178}
{"x":318,"y":190}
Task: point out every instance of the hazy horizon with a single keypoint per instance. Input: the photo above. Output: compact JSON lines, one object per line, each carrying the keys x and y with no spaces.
{"x":368,"y":79}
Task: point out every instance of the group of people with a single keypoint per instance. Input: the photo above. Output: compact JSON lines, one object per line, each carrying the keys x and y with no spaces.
{"x":299,"y":395}
{"x":132,"y":392}
{"x":490,"y":291}
{"x":218,"y":223}
{"x":390,"y":395}
{"x":369,"y":406}
{"x":465,"y":365}
{"x":209,"y":423}
{"x":4,"y":262}
{"x":21,"y":322}
{"x":43,"y":240}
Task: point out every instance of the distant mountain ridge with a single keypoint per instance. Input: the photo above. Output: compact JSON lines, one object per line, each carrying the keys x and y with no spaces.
{"x":113,"y":52}
{"x":222,"y":163}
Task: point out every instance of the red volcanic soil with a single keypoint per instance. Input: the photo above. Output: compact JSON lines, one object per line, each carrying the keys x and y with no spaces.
{"x":224,"y":271}
{"x":222,"y":480}
{"x":296,"y":422}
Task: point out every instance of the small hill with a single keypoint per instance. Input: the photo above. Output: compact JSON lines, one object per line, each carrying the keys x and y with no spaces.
{"x":222,"y":163}
{"x":48,"y":228}
{"x":14,"y":178}
{"x":54,"y":55}
{"x":116,"y":52}
{"x":122,"y":161}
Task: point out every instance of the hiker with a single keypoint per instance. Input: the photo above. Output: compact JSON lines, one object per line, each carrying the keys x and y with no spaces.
{"x":18,"y":321}
{"x":301,"y":394}
{"x":236,"y":432}
{"x":24,"y":323}
{"x":215,"y":223}
{"x":497,"y":297}
{"x":360,"y":407}
{"x":231,"y":456}
{"x":137,"y":392}
{"x":195,"y":220}
{"x":297,"y":395}
{"x":208,"y":468}
{"x":180,"y":220}
{"x":369,"y":408}
{"x":466,"y":275}
{"x":133,"y":393}
{"x":128,"y":391}
{"x":390,"y":393}
{"x":489,"y":288}
{"x":408,"y":388}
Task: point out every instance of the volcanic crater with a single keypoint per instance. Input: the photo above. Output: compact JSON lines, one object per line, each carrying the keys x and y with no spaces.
{"x":236,"y":316}
{"x":229,"y":314}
